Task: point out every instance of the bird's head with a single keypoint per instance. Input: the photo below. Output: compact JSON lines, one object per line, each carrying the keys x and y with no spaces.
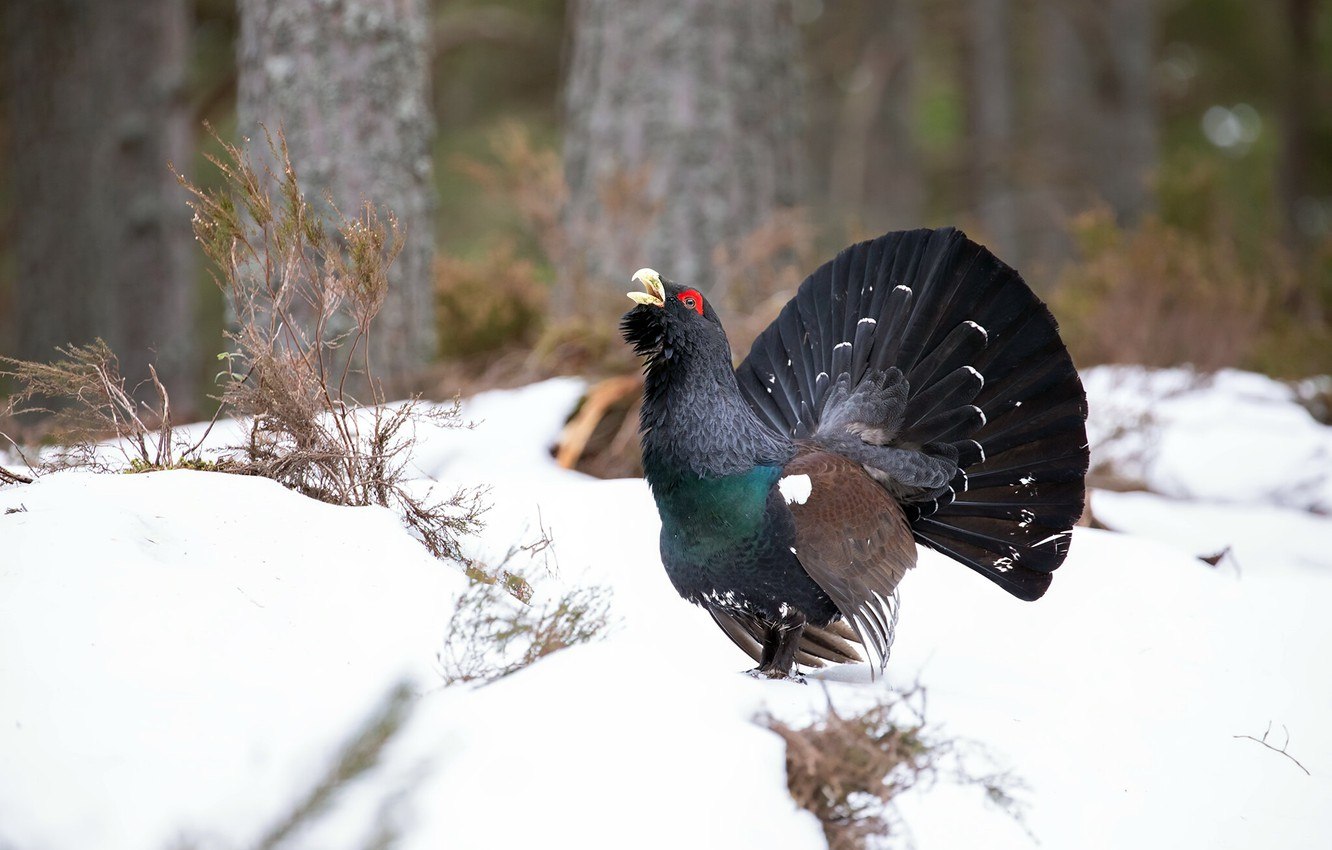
{"x":672,"y":322}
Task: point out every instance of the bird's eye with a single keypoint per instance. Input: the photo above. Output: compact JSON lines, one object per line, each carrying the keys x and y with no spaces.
{"x":691,"y":299}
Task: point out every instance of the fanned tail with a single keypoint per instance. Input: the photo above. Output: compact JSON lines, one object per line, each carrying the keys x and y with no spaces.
{"x":988,"y":379}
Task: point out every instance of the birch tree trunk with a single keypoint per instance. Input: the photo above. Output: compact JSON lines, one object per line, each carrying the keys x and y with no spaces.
{"x":683,"y":124}
{"x":346,"y":82}
{"x":102,"y":239}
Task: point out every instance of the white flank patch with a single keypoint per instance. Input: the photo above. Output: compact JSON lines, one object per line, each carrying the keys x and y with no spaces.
{"x":795,"y":488}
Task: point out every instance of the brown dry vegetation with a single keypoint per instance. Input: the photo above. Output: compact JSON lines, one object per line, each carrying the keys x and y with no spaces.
{"x":847,"y":769}
{"x":303,"y":293}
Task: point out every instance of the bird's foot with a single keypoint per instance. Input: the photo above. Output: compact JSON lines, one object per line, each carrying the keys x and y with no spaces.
{"x":774,"y":673}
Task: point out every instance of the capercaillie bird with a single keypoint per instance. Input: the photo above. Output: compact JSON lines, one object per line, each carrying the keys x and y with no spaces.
{"x":914,"y":390}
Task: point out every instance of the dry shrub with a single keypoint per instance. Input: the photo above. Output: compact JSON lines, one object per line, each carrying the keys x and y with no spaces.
{"x":1160,"y":296}
{"x":304,"y":293}
{"x":494,"y":632}
{"x":360,"y":753}
{"x":496,"y":629}
{"x":768,"y":263}
{"x":488,"y":304}
{"x":847,"y":770}
{"x":87,"y":400}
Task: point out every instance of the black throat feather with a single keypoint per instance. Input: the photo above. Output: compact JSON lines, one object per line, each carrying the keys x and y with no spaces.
{"x":694,"y":421}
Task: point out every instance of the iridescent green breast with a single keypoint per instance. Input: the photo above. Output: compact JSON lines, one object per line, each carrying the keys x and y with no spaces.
{"x":703,"y":517}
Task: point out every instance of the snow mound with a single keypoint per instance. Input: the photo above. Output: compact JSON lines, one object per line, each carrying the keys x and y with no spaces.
{"x":1232,"y":437}
{"x":183,"y":653}
{"x":183,"y":650}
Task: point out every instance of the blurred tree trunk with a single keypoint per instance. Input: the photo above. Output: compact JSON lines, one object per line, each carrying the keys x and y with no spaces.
{"x":683,"y":128}
{"x":1301,"y":86}
{"x":991,"y":106}
{"x":346,"y":82}
{"x":101,"y":233}
{"x":1128,"y":161}
{"x":876,"y":176}
{"x":1097,"y":119}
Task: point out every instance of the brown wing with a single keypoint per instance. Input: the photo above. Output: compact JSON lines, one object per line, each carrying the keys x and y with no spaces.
{"x":853,"y":540}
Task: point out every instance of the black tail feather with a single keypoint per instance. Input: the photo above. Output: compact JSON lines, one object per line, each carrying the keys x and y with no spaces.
{"x":939,"y":308}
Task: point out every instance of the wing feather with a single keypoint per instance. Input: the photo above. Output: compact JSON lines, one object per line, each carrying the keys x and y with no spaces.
{"x":853,"y":540}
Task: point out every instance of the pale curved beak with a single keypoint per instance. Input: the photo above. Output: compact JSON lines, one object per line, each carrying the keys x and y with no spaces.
{"x":656,"y":291}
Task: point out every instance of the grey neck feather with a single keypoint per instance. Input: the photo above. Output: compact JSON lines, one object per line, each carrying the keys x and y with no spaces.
{"x":695,"y":422}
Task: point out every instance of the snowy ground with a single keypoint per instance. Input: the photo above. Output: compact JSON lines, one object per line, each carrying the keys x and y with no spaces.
{"x":181,"y":655}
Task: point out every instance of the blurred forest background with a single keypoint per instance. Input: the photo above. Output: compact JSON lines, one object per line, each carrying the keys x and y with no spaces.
{"x":1159,"y":170}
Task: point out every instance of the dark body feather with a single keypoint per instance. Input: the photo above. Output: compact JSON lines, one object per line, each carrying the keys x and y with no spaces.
{"x":914,"y":390}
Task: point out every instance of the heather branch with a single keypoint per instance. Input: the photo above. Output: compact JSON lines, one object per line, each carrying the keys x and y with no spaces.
{"x":1282,"y":749}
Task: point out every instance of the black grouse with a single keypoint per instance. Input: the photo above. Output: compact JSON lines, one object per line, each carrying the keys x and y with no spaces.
{"x":915,"y":390}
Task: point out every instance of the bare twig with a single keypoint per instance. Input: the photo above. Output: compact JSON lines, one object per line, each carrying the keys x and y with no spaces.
{"x":7,"y":477}
{"x":1281,"y":750}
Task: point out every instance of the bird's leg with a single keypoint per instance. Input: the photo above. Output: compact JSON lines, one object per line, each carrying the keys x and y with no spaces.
{"x":781,"y":639}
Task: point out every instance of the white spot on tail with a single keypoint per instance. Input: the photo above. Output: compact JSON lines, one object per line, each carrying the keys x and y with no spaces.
{"x":1027,"y":480}
{"x":901,"y":287}
{"x":976,"y":373}
{"x":1052,"y":537}
{"x":795,"y":489}
{"x":772,"y":379}
{"x":984,"y":332}
{"x":820,"y":376}
{"x":868,"y":319}
{"x":841,"y":345}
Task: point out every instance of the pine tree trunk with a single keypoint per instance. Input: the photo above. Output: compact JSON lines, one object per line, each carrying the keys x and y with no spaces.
{"x":102,"y":239}
{"x":346,"y":82}
{"x":1128,"y":123}
{"x":1098,"y":129}
{"x":875,"y":173}
{"x":1300,"y":89}
{"x":683,"y":126}
{"x":991,"y":105}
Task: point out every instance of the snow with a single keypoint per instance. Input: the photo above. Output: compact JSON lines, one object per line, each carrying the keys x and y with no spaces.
{"x":182,"y":653}
{"x":1232,"y":437}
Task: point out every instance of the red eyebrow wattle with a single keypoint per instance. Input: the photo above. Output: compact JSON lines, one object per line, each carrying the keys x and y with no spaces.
{"x":698,"y":299}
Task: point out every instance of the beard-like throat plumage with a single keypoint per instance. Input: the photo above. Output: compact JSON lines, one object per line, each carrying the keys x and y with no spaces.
{"x":694,"y":421}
